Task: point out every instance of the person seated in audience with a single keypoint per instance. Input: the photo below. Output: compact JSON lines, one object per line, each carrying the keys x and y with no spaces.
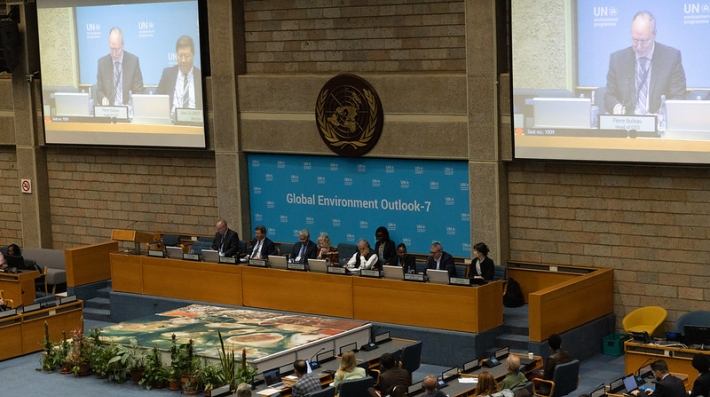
{"x":243,"y":390}
{"x":226,"y":240}
{"x":13,"y":249}
{"x":481,"y":267}
{"x":348,"y":370}
{"x":307,"y":383}
{"x":304,"y":249}
{"x":364,"y":258}
{"x":486,"y":384}
{"x":558,"y":356}
{"x":440,"y":260}
{"x":397,"y":391}
{"x":701,"y":386}
{"x":384,"y":248}
{"x":390,"y":377}
{"x":261,"y":246}
{"x":514,"y":377}
{"x":326,"y":250}
{"x":430,"y":387}
{"x":667,"y":385}
{"x":404,"y":260}
{"x":3,"y":262}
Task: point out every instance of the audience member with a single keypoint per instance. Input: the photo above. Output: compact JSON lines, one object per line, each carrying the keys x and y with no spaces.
{"x":119,"y":73}
{"x":396,"y":391}
{"x":326,"y":250}
{"x":182,"y":82}
{"x":384,"y":248}
{"x":404,"y":260}
{"x":14,"y":249}
{"x":701,"y":386}
{"x":558,"y":356}
{"x":243,"y":390}
{"x":430,"y":387}
{"x":391,"y":376}
{"x":440,"y":260}
{"x":304,"y":249}
{"x":307,"y":383}
{"x":261,"y":246}
{"x":364,"y":258}
{"x":348,"y":370}
{"x":514,"y":377}
{"x":667,"y":385}
{"x":481,"y":267}
{"x":226,"y":240}
{"x":486,"y":384}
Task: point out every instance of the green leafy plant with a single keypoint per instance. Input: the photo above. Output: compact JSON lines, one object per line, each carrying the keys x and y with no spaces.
{"x":131,"y":356}
{"x":80,"y":355}
{"x":212,"y":376}
{"x":154,"y":373}
{"x":53,"y":355}
{"x":234,"y":372}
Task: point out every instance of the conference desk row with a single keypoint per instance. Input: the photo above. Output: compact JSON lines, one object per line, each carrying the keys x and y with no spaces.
{"x":20,"y":286}
{"x":678,"y":358}
{"x":450,"y":307}
{"x":24,"y":332}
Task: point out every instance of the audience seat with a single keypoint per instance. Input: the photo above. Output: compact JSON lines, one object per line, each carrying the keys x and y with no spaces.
{"x":697,"y":317}
{"x":327,"y":392}
{"x":564,"y":381}
{"x":646,"y":318}
{"x":412,"y":357}
{"x":356,"y":387}
{"x":499,"y":272}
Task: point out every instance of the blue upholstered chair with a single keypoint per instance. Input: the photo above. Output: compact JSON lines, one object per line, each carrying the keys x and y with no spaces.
{"x":499,"y":272}
{"x":564,"y":381}
{"x":327,"y":392}
{"x":345,"y":252}
{"x":412,"y":357}
{"x":356,"y":387}
{"x":697,"y":317}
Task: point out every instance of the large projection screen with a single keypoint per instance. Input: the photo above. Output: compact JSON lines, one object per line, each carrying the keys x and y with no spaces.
{"x":140,"y":85}
{"x":580,"y":91}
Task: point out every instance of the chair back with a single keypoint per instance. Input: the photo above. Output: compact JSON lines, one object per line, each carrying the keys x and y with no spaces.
{"x":499,"y":272}
{"x":170,"y":240}
{"x":356,"y":387}
{"x":327,"y":392}
{"x":566,"y":378}
{"x":412,"y":357}
{"x":646,"y":318}
{"x":345,"y":252}
{"x":697,"y":317}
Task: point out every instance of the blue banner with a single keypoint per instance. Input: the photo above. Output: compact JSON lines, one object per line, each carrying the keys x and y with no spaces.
{"x":418,"y":201}
{"x":150,"y":32}
{"x":604,"y":26}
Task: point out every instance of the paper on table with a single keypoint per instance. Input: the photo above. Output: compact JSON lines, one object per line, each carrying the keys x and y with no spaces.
{"x":468,"y":380}
{"x":268,"y":392}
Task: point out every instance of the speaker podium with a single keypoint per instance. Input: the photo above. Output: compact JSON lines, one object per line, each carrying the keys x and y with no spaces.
{"x":132,"y":236}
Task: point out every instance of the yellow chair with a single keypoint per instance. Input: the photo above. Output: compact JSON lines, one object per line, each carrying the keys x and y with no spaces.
{"x":8,"y":302}
{"x":644,"y":319}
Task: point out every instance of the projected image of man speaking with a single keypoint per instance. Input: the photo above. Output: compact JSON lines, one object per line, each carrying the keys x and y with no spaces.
{"x":183,"y":82}
{"x":119,"y":73}
{"x":639,"y":75}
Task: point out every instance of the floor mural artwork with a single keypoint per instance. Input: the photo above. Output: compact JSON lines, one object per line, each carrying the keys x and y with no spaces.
{"x":261,"y":333}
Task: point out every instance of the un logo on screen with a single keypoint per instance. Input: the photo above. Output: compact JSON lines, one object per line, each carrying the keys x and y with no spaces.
{"x":349,"y":115}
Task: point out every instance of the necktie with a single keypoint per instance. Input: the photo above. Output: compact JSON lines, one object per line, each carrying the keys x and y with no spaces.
{"x":118,"y":100}
{"x":437,"y":265}
{"x":257,"y":250}
{"x":302,"y":252}
{"x":185,"y":93}
{"x":642,"y":85}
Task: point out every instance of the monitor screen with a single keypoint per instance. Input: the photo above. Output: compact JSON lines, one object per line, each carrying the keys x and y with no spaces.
{"x":121,"y":73}
{"x":349,"y":346}
{"x":611,"y":81}
{"x":697,"y":335}
{"x":630,"y":383}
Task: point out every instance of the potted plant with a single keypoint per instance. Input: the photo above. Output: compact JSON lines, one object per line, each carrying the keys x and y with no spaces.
{"x":133,"y":359}
{"x":234,"y":372}
{"x":190,"y":365}
{"x":245,"y":372}
{"x":53,"y":356}
{"x":80,"y":354}
{"x":211,"y":376}
{"x":155,"y":374}
{"x":175,"y":369}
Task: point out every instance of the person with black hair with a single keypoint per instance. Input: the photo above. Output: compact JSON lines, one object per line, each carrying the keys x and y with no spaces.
{"x":384,"y":248}
{"x":404,"y":260}
{"x":391,"y":376}
{"x":307,"y":383}
{"x":701,"y":386}
{"x":558,"y":356}
{"x":667,"y":385}
{"x":481,"y":267}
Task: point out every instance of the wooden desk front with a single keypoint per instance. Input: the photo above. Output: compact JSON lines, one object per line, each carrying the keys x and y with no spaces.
{"x":20,"y":287}
{"x":679,"y":359}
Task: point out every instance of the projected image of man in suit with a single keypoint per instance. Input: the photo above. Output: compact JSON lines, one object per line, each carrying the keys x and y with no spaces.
{"x":183,"y":82}
{"x":638,"y":75}
{"x":119,"y":73}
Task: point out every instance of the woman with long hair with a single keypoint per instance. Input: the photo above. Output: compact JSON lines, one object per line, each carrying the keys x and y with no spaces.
{"x":348,"y":370}
{"x":487,"y":384}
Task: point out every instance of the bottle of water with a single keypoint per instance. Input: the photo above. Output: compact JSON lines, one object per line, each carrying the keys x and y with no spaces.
{"x":593,"y":113}
{"x":662,"y":114}
{"x":91,"y":105}
{"x":130,"y":105}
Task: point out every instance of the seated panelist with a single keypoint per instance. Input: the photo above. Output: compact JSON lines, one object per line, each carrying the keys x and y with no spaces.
{"x":482,"y":267}
{"x":440,"y":260}
{"x":226,"y":240}
{"x":326,"y":250}
{"x":182,"y":82}
{"x":364,"y":258}
{"x":304,"y":249}
{"x":404,"y":260}
{"x":261,"y":246}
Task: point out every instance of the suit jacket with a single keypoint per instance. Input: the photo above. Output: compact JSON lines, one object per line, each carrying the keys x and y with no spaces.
{"x":667,"y":78}
{"x":487,"y":269}
{"x":409,"y":263}
{"x":311,"y":251}
{"x":231,"y":243}
{"x":446,"y":263}
{"x":267,"y":247}
{"x":394,"y":377}
{"x":168,"y":80}
{"x":132,"y":78}
{"x":558,"y":356}
{"x":670,"y":386}
{"x":389,"y":253}
{"x":701,"y":386}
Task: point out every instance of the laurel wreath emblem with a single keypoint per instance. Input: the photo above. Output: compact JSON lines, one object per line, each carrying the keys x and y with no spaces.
{"x":331,"y":134}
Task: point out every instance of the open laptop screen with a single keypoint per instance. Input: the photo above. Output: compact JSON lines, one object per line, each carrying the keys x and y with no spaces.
{"x":630,"y":383}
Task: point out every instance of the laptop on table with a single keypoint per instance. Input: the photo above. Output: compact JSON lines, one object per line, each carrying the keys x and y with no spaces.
{"x":277,"y":262}
{"x":174,"y":252}
{"x":210,"y":256}
{"x":318,"y":265}
{"x":438,"y":276}
{"x":393,"y":272}
{"x":273,"y":380}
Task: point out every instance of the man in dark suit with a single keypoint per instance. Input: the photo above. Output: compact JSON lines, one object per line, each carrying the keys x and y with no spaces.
{"x":118,"y":73}
{"x":304,"y":249}
{"x":440,"y":260}
{"x":701,"y":386}
{"x":640,"y":74}
{"x":183,"y":82}
{"x":226,"y":240}
{"x":261,"y":246}
{"x":390,"y":377}
{"x":667,"y":385}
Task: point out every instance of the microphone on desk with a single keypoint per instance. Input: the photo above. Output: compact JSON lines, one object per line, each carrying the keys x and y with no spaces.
{"x":638,"y":370}
{"x":371,"y":345}
{"x":314,"y":364}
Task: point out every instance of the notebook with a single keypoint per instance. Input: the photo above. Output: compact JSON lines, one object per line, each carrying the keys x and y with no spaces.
{"x":210,"y":256}
{"x":562,"y":112}
{"x":71,"y":104}
{"x":438,"y":276}
{"x":277,"y":262}
{"x":393,"y":272}
{"x":151,"y":109}
{"x":318,"y":265}
{"x":174,"y":252}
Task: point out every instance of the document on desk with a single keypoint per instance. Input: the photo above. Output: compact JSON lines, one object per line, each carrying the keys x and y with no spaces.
{"x":268,"y":392}
{"x":468,"y":380}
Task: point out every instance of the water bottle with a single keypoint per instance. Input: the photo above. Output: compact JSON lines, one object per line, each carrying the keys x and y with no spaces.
{"x":593,"y":113}
{"x":91,"y":105}
{"x":130,"y":105}
{"x":662,"y":114}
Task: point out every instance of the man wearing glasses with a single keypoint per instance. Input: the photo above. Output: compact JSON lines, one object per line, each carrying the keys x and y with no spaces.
{"x":440,"y":260}
{"x":640,"y":74}
{"x":119,"y":73}
{"x":183,"y":82}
